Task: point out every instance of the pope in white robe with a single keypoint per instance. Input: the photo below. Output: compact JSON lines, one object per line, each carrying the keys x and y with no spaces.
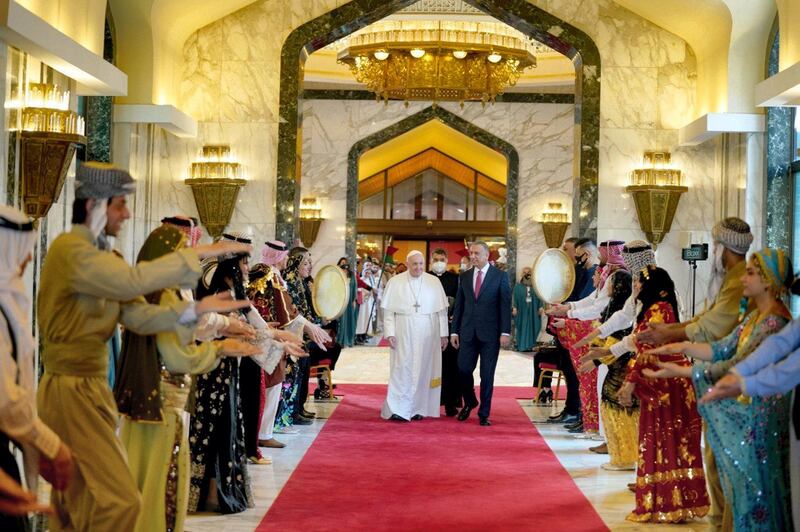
{"x":415,"y":324}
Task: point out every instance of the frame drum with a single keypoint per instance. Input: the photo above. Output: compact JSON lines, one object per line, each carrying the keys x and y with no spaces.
{"x":331,"y":292}
{"x":553,"y":276}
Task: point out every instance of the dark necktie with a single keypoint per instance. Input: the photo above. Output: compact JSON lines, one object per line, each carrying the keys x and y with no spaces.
{"x":478,"y":283}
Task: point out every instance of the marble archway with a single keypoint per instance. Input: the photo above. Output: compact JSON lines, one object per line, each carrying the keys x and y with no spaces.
{"x":459,"y":124}
{"x":520,"y":14}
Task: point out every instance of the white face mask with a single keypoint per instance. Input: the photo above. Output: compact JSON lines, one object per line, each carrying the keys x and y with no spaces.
{"x":464,"y":266}
{"x":439,"y":267}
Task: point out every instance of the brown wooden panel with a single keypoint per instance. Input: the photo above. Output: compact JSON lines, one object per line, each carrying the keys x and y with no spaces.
{"x":437,"y":228}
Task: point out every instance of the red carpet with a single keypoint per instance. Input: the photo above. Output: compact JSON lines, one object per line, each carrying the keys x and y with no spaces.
{"x":364,"y":473}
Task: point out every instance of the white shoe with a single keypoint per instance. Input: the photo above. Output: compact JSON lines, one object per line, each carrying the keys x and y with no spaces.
{"x":608,"y":466}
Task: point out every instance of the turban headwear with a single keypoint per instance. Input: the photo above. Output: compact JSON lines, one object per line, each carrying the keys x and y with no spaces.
{"x":733,"y":233}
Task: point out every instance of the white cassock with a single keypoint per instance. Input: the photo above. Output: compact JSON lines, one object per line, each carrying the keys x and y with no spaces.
{"x":415,"y":312}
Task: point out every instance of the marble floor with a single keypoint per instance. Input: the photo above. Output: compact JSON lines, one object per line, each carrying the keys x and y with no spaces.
{"x":606,"y":490}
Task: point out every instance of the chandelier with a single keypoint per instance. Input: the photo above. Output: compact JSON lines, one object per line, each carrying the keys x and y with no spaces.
{"x":438,"y":60}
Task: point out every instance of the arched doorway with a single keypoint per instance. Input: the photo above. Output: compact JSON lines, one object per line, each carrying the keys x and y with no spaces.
{"x":440,"y":228}
{"x":525,"y":17}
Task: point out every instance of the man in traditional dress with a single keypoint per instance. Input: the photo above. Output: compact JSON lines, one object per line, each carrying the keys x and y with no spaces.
{"x":415,"y":318}
{"x":481,"y":325}
{"x":83,"y":293}
{"x":525,"y":310}
{"x":451,"y":396}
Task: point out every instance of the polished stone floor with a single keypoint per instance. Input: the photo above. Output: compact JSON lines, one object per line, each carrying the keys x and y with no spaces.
{"x":370,"y":365}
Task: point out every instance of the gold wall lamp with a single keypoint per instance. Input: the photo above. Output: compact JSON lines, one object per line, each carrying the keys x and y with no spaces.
{"x":215,"y":185}
{"x":310,"y":220}
{"x":555,"y":222}
{"x":656,"y":191}
{"x":50,"y":134}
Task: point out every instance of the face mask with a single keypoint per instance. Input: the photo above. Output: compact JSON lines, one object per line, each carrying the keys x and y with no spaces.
{"x":464,"y":267}
{"x":439,"y":267}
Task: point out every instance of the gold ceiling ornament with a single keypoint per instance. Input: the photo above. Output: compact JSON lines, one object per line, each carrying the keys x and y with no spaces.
{"x":49,"y":135}
{"x":656,"y":191}
{"x":555,"y":222}
{"x":310,"y":220}
{"x":215,"y":185}
{"x":437,"y":60}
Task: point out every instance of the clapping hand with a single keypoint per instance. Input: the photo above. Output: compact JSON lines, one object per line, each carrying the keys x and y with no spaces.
{"x":557,"y":310}
{"x":222,"y":302}
{"x":239,"y":329}
{"x":667,"y":349}
{"x":595,"y":353}
{"x":668,"y":369}
{"x":14,"y":500}
{"x":231,"y":347}
{"x":728,"y":386}
{"x":294,"y":349}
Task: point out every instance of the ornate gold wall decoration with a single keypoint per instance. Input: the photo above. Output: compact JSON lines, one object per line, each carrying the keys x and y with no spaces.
{"x":656,"y":191}
{"x":555,"y":222}
{"x":215,"y":186}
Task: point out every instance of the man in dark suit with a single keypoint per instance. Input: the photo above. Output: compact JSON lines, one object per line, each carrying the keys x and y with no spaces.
{"x":481,"y":324}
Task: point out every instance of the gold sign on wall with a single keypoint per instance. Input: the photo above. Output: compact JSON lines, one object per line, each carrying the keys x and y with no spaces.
{"x":215,"y":185}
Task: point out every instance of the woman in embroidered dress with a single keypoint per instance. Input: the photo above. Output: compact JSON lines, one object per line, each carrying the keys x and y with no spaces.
{"x":670,"y":482}
{"x":620,"y":423}
{"x":152,"y":386}
{"x":749,"y":437}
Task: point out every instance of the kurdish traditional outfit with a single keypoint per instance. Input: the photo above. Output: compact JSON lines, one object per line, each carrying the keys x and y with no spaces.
{"x":750,"y":438}
{"x":346,"y":332}
{"x":83,"y":293}
{"x":153,"y":385}
{"x":526,"y":321}
{"x":670,"y":482}
{"x":569,"y":335}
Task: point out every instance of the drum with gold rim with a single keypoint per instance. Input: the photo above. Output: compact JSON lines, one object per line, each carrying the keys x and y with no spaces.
{"x":331,"y":292}
{"x":553,"y":276}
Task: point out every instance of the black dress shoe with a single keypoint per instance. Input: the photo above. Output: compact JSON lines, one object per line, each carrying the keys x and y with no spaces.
{"x":570,"y":426}
{"x":558,"y":417}
{"x":300,"y":420}
{"x":450,"y":411}
{"x":570,"y":419}
{"x":395,"y":417}
{"x":485,"y":422}
{"x":417,"y":417}
{"x":464,"y":414}
{"x":576,"y":430}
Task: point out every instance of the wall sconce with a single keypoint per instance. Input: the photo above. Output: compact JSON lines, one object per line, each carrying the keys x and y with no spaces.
{"x":49,"y":137}
{"x":656,"y":191}
{"x":215,"y":185}
{"x":555,"y":222}
{"x":310,"y":220}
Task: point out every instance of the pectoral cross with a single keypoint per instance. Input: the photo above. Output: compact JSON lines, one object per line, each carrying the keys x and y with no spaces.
{"x":416,"y":307}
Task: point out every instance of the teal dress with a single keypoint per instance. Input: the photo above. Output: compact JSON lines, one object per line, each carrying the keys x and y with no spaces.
{"x":346,"y":333}
{"x":527,"y":323}
{"x":749,"y":436}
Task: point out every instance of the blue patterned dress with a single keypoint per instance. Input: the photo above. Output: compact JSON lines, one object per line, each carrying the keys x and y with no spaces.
{"x":749,"y":436}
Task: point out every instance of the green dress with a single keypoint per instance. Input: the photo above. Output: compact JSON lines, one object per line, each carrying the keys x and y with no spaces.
{"x":750,"y":438}
{"x":346,"y":333}
{"x":527,"y":323}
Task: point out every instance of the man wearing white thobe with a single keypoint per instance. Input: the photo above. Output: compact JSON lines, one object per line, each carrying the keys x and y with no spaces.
{"x":415,"y":323}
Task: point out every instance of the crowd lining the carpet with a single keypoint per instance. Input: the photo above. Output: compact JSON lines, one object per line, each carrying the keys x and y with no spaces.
{"x":215,"y":357}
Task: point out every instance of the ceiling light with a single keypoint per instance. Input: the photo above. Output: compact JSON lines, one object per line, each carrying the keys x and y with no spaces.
{"x":417,"y":52}
{"x":459,"y":54}
{"x":381,"y":55}
{"x":494,"y":57}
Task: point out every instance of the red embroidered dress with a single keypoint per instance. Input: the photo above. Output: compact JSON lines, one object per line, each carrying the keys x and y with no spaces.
{"x":569,"y":335}
{"x":670,"y":482}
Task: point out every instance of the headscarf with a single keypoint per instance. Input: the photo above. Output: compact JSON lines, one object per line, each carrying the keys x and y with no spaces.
{"x":295,"y":285}
{"x":188,"y":226}
{"x":776,"y":270}
{"x":17,"y":238}
{"x":610,"y":258}
{"x":636,"y":254}
{"x":137,"y":386}
{"x":734,"y":234}
{"x":274,"y":252}
{"x":97,"y":180}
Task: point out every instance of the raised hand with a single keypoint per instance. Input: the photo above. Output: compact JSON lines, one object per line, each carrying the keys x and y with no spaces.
{"x":287,"y":336}
{"x":222,"y":302}
{"x":14,"y":500}
{"x":317,"y":334}
{"x":586,"y":339}
{"x":294,"y":350}
{"x":728,"y":386}
{"x":667,"y":349}
{"x":232,"y":347}
{"x":595,"y":353}
{"x":668,"y":369}
{"x":239,"y":329}
{"x":222,"y":247}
